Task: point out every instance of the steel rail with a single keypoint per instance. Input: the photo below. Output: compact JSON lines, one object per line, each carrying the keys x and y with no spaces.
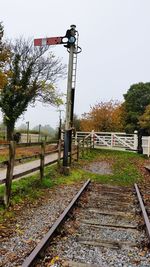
{"x":147,"y":167}
{"x":30,"y":260}
{"x":145,"y":216}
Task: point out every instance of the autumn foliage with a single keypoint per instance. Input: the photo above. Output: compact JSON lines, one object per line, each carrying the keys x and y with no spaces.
{"x":104,"y":116}
{"x":4,"y":59}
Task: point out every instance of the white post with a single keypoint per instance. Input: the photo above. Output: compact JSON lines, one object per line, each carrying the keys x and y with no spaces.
{"x":92,"y":138}
{"x":135,"y":140}
{"x":112,"y":139}
{"x":76,"y":139}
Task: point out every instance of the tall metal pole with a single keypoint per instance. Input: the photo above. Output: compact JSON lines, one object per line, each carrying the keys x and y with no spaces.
{"x":69,"y":88}
{"x":73,"y":48}
{"x":68,"y":125}
{"x":60,"y":124}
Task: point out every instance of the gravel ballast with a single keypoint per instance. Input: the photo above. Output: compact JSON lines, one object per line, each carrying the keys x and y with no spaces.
{"x":84,"y":241}
{"x":31,"y":223}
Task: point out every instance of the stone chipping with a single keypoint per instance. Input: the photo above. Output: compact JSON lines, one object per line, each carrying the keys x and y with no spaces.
{"x":84,"y":244}
{"x":32,"y":223}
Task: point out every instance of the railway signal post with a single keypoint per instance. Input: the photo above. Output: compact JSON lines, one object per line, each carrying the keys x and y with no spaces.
{"x":72,"y":47}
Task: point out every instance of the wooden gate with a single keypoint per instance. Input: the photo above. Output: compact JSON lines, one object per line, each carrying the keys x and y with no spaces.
{"x":110,"y":139}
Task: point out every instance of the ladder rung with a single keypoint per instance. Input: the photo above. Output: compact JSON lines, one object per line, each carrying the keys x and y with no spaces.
{"x":74,"y":69}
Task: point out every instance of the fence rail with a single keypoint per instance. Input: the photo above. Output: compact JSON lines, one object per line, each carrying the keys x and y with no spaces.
{"x":10,"y":175}
{"x":26,"y":137}
{"x":111,"y":139}
{"x":82,"y":144}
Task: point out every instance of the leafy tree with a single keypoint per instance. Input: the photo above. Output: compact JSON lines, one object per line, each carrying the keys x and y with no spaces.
{"x":2,"y":131}
{"x":1,"y":34}
{"x":104,"y":116}
{"x":137,"y":99}
{"x":34,"y":74}
{"x":76,"y":122}
{"x":144,"y":120}
{"x":117,"y":117}
{"x":4,"y":58}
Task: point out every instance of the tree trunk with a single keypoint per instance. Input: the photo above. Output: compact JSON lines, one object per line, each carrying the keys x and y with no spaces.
{"x":9,"y":173}
{"x":10,"y":131}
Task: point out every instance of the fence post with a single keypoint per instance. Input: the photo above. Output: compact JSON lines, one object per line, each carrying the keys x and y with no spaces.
{"x":83,"y":147}
{"x":9,"y":173}
{"x":92,"y":137}
{"x":86,"y":143}
{"x":135,"y":140}
{"x":59,"y":152}
{"x":76,"y":138}
{"x":78,"y":151}
{"x":42,"y":158}
{"x":90,"y":144}
{"x":112,"y":139}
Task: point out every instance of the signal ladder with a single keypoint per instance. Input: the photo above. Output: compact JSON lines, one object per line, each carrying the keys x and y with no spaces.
{"x":74,"y":69}
{"x":73,"y":83}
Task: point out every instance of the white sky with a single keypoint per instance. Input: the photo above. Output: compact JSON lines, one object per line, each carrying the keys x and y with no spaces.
{"x":114,"y":36}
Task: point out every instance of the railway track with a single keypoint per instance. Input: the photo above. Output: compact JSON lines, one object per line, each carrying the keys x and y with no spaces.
{"x":104,"y":229}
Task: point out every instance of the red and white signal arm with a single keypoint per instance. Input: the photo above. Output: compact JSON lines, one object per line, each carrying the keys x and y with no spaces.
{"x":48,"y":41}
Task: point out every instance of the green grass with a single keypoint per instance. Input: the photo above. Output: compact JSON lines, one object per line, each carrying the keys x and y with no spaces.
{"x":125,"y":172}
{"x":3,"y":158}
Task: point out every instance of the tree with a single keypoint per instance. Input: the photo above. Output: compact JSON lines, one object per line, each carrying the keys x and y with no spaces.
{"x":76,"y":122}
{"x":34,"y":74}
{"x":144,"y":120}
{"x":4,"y":58}
{"x":104,"y":116}
{"x":136,"y":100}
{"x":1,"y":34}
{"x":2,"y":131}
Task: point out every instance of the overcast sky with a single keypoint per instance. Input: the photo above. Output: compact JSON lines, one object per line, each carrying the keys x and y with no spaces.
{"x":114,"y":36}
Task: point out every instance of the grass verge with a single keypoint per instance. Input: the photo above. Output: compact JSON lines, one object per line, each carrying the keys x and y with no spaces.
{"x":124,"y":172}
{"x":124,"y":165}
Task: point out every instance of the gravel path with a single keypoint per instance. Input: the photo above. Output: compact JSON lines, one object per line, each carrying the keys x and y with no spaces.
{"x":32,"y":223}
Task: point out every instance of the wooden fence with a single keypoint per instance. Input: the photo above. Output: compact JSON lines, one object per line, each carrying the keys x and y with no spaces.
{"x":111,"y":140}
{"x":78,"y":149}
